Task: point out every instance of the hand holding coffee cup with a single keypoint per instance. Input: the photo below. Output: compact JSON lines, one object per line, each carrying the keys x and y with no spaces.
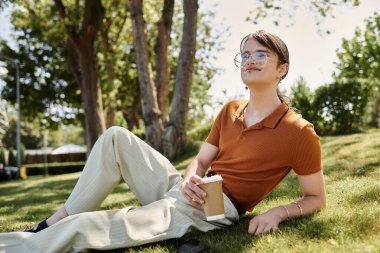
{"x":192,"y":192}
{"x":214,"y":204}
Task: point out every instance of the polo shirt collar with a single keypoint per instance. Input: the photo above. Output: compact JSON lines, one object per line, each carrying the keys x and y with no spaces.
{"x":272,"y":120}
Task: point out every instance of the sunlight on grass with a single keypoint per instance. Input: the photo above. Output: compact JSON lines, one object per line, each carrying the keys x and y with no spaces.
{"x":350,"y":222}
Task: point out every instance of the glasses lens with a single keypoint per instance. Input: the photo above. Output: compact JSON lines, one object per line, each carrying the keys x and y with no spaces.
{"x":238,"y":60}
{"x":260,"y":58}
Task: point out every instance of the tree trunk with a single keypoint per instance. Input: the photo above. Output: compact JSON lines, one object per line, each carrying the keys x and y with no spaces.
{"x":161,"y":52}
{"x":150,"y":109}
{"x":82,"y":62}
{"x":111,"y":77}
{"x":174,"y":139}
{"x":109,"y":43}
{"x":131,"y":113}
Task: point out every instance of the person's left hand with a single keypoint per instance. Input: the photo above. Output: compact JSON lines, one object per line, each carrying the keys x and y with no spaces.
{"x":266,"y":222}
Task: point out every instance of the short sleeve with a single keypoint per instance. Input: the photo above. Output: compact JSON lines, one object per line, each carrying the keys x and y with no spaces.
{"x":214,"y":135}
{"x":307,"y":156}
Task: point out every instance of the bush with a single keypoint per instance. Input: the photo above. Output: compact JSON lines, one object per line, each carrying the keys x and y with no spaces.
{"x":200,"y":133}
{"x":12,"y":160}
{"x":342,"y":107}
{"x":54,"y":168}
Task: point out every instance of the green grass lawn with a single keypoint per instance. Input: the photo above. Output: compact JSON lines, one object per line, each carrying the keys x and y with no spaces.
{"x":349,"y":223}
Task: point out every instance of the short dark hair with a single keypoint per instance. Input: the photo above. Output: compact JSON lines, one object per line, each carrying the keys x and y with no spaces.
{"x":272,"y":42}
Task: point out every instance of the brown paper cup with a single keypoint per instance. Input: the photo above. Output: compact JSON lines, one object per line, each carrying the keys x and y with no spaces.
{"x":214,"y":204}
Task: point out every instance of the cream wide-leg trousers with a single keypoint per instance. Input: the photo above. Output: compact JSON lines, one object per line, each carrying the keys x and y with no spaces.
{"x":120,"y":155}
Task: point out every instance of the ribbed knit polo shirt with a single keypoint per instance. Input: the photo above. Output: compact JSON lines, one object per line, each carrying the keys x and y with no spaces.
{"x":253,"y":160}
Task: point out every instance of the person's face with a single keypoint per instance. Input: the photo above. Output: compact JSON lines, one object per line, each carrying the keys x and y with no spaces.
{"x":264,"y":72}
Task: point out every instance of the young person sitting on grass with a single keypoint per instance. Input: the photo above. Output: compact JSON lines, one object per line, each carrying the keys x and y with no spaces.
{"x":253,"y":145}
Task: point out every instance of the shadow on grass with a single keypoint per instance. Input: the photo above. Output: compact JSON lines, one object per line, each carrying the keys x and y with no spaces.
{"x":341,"y":170}
{"x":338,"y":146}
{"x":353,"y":226}
{"x":40,"y":199}
{"x":369,"y":195}
{"x":288,"y":188}
{"x":44,"y":186}
{"x":219,"y":240}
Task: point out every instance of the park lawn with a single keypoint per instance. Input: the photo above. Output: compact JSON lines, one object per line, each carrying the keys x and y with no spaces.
{"x":349,"y":223}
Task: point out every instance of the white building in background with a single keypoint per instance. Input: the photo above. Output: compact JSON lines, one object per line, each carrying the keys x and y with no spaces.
{"x":69,"y":148}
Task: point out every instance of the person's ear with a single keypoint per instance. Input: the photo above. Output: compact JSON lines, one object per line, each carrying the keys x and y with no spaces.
{"x":282,"y":70}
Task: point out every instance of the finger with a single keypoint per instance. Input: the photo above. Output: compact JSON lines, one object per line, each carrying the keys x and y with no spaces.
{"x":198,"y":191}
{"x":191,"y":202}
{"x":259,"y":229}
{"x":196,"y":179}
{"x":267,"y":229}
{"x":252,"y":227}
{"x":274,"y":229}
{"x":194,"y":197}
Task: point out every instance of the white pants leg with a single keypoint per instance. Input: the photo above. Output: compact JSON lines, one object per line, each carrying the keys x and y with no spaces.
{"x":165,"y":214}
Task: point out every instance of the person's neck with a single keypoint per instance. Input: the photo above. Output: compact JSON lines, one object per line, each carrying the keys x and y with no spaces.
{"x":262,"y":103}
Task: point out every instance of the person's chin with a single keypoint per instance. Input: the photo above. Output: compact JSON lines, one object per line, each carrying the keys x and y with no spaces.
{"x":252,"y":82}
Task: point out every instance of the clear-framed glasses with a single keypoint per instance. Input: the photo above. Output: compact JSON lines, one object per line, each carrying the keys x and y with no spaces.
{"x":259,"y":59}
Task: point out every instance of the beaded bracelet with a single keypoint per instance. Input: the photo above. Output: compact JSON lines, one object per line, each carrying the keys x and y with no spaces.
{"x":287,"y":212}
{"x":299,"y":207}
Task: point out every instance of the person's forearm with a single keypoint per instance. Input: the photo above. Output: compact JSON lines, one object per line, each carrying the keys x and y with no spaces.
{"x":305,"y":206}
{"x":195,"y":167}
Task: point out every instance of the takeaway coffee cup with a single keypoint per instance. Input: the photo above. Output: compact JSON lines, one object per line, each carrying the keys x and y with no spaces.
{"x":214,"y":204}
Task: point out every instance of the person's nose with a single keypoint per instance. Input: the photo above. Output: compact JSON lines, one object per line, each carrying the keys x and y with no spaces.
{"x":249,"y":62}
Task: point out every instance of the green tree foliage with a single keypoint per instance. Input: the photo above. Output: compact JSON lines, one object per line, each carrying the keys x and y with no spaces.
{"x":66,"y":134}
{"x":302,"y":99}
{"x":352,"y":100}
{"x":337,"y":108}
{"x":30,"y":134}
{"x":342,"y":107}
{"x":44,"y":73}
{"x":359,"y":57}
{"x":41,"y":49}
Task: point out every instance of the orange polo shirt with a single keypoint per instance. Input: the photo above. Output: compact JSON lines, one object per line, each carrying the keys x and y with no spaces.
{"x":252,"y":161}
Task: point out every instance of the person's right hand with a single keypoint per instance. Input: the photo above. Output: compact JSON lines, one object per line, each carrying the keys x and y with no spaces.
{"x":192,"y":192}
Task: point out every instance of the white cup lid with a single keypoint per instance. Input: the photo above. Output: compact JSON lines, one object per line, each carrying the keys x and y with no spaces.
{"x":214,"y":178}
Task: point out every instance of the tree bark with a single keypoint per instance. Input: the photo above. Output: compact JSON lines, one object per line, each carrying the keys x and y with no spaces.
{"x":111,"y":77}
{"x":161,"y":53}
{"x":131,"y":113}
{"x":150,"y":110}
{"x":109,"y":43}
{"x":82,"y":62}
{"x":174,"y":138}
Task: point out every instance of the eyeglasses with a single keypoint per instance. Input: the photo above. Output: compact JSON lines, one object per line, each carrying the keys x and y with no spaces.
{"x":259,"y":59}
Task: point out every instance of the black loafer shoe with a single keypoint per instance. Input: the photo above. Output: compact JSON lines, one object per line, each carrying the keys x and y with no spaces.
{"x":42,"y":225}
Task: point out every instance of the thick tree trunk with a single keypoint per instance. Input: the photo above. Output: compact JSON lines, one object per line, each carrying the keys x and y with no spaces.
{"x":174,"y":139}
{"x":83,"y":64}
{"x":91,"y":93}
{"x":161,"y":53}
{"x":150,"y":109}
